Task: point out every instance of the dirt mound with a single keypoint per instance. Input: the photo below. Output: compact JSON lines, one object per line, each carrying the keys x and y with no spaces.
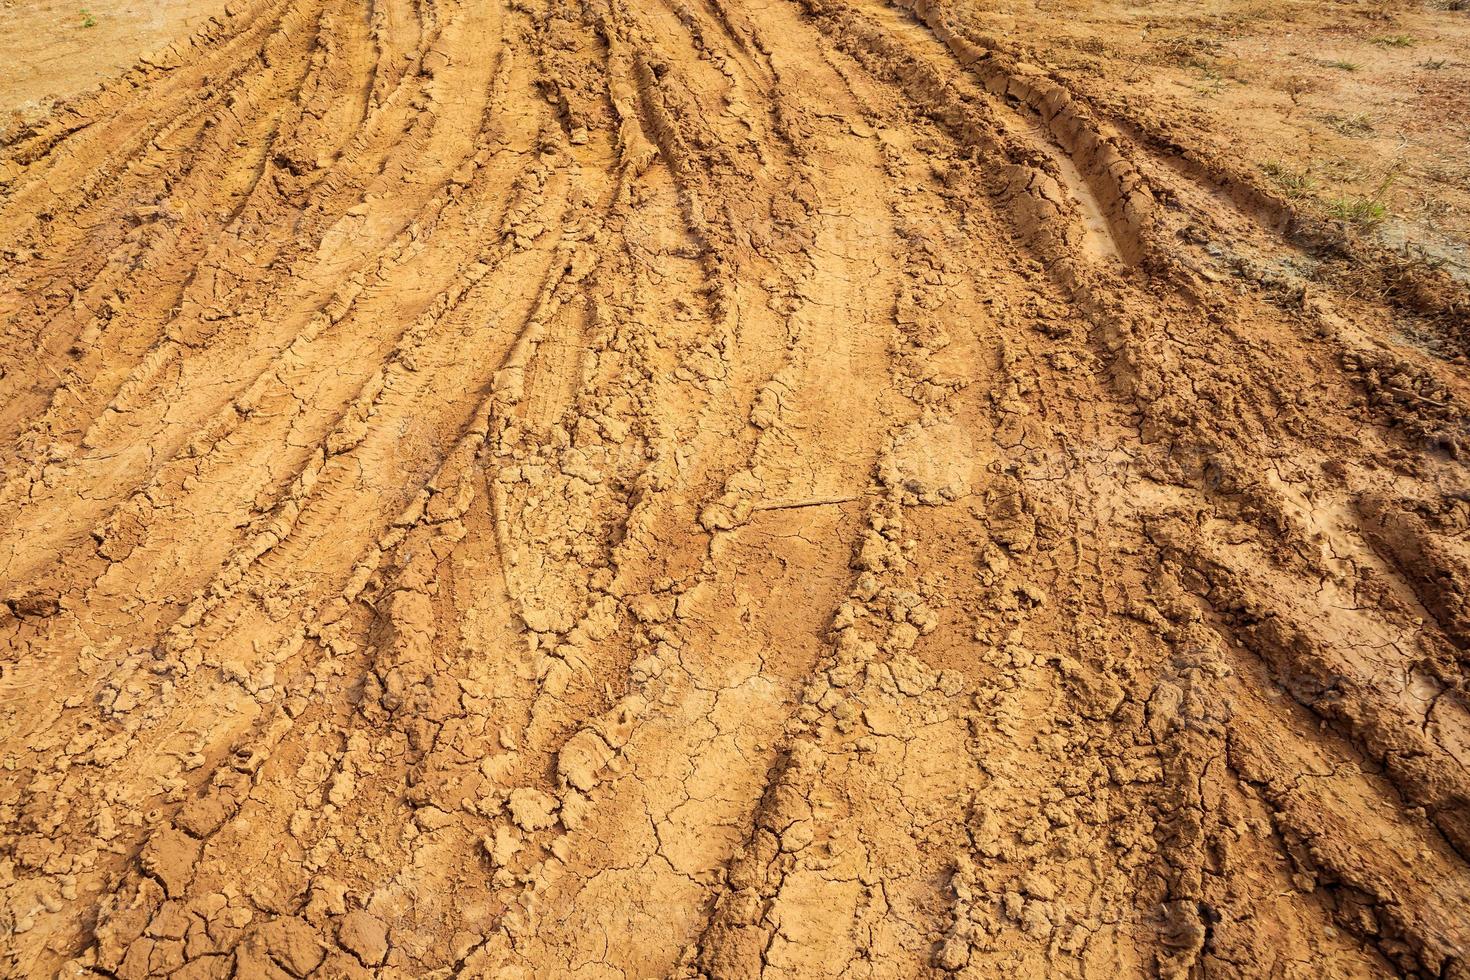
{"x":710,"y":489}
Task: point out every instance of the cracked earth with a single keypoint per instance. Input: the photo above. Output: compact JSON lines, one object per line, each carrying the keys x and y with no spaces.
{"x":720,"y":489}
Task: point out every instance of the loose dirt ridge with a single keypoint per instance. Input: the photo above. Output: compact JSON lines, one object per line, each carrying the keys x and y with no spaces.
{"x":707,"y":489}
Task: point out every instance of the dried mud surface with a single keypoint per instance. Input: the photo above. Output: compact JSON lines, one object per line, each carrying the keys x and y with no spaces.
{"x":711,"y":489}
{"x":55,"y":49}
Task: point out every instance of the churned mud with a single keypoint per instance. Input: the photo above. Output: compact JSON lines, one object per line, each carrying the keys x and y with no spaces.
{"x":800,"y":488}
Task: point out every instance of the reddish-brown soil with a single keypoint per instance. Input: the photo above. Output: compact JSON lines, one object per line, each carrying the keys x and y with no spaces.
{"x":810,"y":488}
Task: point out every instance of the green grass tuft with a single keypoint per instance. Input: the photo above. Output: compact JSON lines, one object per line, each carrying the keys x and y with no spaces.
{"x":1363,"y":212}
{"x":1293,"y":183}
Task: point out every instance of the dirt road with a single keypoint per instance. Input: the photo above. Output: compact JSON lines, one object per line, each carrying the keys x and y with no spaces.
{"x":663,"y":489}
